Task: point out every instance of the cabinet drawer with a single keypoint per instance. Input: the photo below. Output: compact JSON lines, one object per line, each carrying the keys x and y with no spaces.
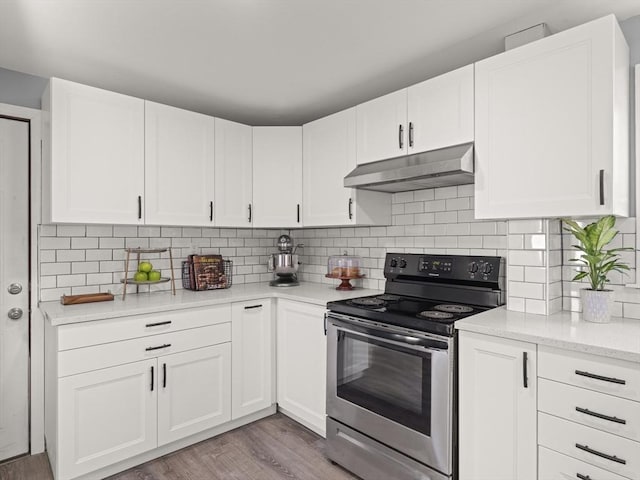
{"x":556,"y":466}
{"x":602,"y":374}
{"x":590,"y":445}
{"x":598,"y":410}
{"x":104,"y":331}
{"x":86,"y":359}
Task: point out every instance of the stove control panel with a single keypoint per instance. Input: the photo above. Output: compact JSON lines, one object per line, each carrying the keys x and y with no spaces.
{"x":449,"y":267}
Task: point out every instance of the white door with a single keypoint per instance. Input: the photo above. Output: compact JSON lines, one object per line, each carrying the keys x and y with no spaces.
{"x":233,"y":182}
{"x":14,"y":271}
{"x":497,"y":408}
{"x":302,"y":363}
{"x":252,"y":342}
{"x":179,"y":156}
{"x":194,"y":391}
{"x":277,"y":177}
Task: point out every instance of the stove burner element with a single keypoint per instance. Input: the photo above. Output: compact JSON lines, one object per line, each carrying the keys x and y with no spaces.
{"x":387,"y":297}
{"x":433,"y":315}
{"x":367,"y":302}
{"x":453,"y":308}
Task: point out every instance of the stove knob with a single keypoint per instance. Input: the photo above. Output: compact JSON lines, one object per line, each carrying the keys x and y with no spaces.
{"x":393,"y":263}
{"x":403,"y":263}
{"x":487,"y":269}
{"x":473,"y":267}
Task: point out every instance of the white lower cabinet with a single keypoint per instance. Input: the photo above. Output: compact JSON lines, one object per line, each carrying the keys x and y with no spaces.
{"x":302,"y":363}
{"x":253,"y":357}
{"x":497,"y":408}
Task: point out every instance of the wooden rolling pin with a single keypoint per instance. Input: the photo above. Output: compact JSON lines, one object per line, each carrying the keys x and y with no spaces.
{"x":85,"y":298}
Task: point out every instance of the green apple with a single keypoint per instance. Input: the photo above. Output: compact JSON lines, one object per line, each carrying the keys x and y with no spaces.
{"x":140,"y":277}
{"x":154,"y":275}
{"x":145,"y":267}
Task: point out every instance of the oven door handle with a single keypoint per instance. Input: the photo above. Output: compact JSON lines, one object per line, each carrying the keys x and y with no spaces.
{"x":402,"y":340}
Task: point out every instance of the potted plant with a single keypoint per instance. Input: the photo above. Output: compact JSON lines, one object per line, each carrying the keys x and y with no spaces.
{"x":596,"y":262}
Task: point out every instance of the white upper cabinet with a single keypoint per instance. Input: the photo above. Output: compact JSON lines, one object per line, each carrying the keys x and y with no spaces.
{"x":440,"y":111}
{"x":277,"y":177}
{"x":381,"y":127}
{"x":179,"y":166}
{"x":233,"y":177}
{"x":430,"y":115}
{"x":552,"y":126}
{"x":93,"y":155}
{"x":329,"y":155}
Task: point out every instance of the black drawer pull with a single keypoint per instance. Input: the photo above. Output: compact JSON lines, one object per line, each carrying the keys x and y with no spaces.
{"x":600,"y":377}
{"x":613,"y":458}
{"x":583,"y":477}
{"x":152,"y":377}
{"x":586,"y":411}
{"x":249,"y":307}
{"x":157,"y":324}
{"x":148,"y":349}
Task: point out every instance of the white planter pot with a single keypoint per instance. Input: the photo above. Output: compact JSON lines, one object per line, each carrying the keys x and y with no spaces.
{"x":596,"y":305}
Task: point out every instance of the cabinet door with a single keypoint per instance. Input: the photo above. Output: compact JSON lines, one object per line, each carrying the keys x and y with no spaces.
{"x":551,"y":126}
{"x":382,"y":127}
{"x":106,"y":416}
{"x":441,"y":111}
{"x":94,"y":162}
{"x":277,"y":177}
{"x":302,"y":363}
{"x":194,"y":391}
{"x":233,"y":177}
{"x":252,"y":346}
{"x":179,"y":166}
{"x":497,"y":408}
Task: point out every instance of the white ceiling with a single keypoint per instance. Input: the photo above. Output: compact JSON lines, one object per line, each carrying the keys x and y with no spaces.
{"x":268,"y":62}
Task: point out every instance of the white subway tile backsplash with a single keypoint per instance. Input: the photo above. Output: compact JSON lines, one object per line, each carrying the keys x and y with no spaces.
{"x":402,"y":197}
{"x":71,"y":231}
{"x":526,"y":226}
{"x":466,"y":190}
{"x":462,"y":203}
{"x":535,"y":274}
{"x":515,"y":273}
{"x":435,"y":206}
{"x":526,"y":257}
{"x":526,"y":290}
{"x":70,"y":255}
{"x":125,"y":231}
{"x":424,"y":195}
{"x":446,"y":192}
{"x":55,"y":243}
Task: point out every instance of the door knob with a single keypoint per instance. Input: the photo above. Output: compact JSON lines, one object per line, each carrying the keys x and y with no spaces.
{"x":15,"y":313}
{"x":14,"y":288}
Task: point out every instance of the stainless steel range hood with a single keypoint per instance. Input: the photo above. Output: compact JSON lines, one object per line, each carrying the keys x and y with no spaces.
{"x":436,"y":168}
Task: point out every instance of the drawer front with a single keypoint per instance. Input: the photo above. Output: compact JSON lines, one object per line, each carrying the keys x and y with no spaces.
{"x":556,"y":466}
{"x":602,"y":374}
{"x":598,"y":410}
{"x":590,"y":445}
{"x":112,"y":330}
{"x":71,"y":362}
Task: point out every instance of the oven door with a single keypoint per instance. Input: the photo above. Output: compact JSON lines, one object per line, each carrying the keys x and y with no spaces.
{"x":394,"y":386}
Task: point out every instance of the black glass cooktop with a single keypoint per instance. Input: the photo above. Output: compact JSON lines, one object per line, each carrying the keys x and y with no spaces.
{"x":409,"y":312}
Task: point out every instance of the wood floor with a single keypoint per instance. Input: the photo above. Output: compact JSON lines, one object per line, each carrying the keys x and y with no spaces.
{"x":273,"y":448}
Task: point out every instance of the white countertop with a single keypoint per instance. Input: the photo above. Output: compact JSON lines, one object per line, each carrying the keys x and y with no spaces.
{"x":138,"y":304}
{"x":618,"y":339}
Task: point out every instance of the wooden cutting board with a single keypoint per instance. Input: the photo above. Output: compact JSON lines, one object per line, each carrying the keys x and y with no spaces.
{"x":85,"y":298}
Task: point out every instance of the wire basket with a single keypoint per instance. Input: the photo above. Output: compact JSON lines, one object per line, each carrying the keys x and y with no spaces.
{"x":224,"y":281}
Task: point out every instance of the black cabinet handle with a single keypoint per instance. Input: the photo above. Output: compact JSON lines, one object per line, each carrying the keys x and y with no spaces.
{"x":600,"y":377}
{"x":411,"y":134}
{"x":211,"y":211}
{"x":249,"y":307}
{"x":613,"y":458}
{"x":152,"y":377}
{"x":298,"y":210}
{"x":148,"y":349}
{"x":525,"y":380}
{"x":250,"y":213}
{"x":157,"y":324}
{"x":601,"y":187}
{"x":164,"y":375}
{"x":586,"y":411}
{"x":350,"y":208}
{"x":400,"y":136}
{"x":139,"y":207}
{"x":583,"y":477}
{"x":325,"y":324}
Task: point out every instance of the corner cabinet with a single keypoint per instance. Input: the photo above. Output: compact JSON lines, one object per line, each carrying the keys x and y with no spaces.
{"x":497,"y":408}
{"x":179,"y":166}
{"x":277,"y":177}
{"x":551,"y":123}
{"x":329,"y":155}
{"x":93,"y":155}
{"x":302,"y":363}
{"x":233,"y":174}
